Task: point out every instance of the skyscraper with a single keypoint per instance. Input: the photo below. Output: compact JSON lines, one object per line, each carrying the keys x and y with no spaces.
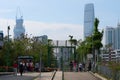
{"x":110,"y":36}
{"x":117,"y":36}
{"x":19,"y":28}
{"x":88,"y":19}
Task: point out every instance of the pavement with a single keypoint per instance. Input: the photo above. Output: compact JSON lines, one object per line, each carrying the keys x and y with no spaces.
{"x":58,"y":76}
{"x":71,"y":76}
{"x":25,"y":76}
{"x":97,"y":75}
{"x":45,"y":76}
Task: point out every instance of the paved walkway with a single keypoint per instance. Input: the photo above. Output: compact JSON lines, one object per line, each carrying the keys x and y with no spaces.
{"x":26,"y":76}
{"x":79,"y":76}
{"x":48,"y":75}
{"x":45,"y":76}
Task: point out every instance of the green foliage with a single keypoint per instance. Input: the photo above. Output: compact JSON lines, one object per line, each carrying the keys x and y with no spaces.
{"x":114,"y":66}
{"x":24,"y":46}
{"x":91,"y":42}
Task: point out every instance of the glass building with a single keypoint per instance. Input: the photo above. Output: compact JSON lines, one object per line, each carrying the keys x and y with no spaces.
{"x":88,"y":19}
{"x":19,"y":29}
{"x":117,"y":37}
{"x":110,"y":36}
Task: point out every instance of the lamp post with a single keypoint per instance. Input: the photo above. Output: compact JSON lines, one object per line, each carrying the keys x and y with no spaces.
{"x":8,"y":32}
{"x":62,"y":64}
{"x":40,"y":63}
{"x":71,"y":37}
{"x":8,"y":28}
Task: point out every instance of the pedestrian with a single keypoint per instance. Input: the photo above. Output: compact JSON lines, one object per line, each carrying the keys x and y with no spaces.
{"x":36,"y":67}
{"x":21,"y":68}
{"x":71,"y":66}
{"x":80,"y":67}
{"x":89,"y":66}
{"x":83,"y":66}
{"x":15,"y":66}
{"x":74,"y":66}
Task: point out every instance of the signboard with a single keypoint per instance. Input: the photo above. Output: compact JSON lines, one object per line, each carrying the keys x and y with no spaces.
{"x":89,"y":56}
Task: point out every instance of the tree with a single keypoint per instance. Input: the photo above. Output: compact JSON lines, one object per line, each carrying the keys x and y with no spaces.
{"x":97,"y":38}
{"x":23,"y":46}
{"x":91,"y":43}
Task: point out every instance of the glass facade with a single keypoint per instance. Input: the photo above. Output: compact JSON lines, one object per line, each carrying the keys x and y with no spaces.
{"x":112,"y":37}
{"x":88,"y":19}
{"x":19,"y":29}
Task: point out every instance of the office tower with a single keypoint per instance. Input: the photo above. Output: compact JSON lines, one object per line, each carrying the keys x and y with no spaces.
{"x":19,"y":29}
{"x":117,"y":36}
{"x":88,"y":19}
{"x":110,"y":37}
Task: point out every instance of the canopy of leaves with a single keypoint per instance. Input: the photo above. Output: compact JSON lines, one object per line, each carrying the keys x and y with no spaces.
{"x":24,"y":46}
{"x":91,"y":42}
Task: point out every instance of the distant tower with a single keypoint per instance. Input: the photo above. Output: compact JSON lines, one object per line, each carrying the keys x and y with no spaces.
{"x":117,"y":36}
{"x":110,"y":36}
{"x":88,"y":19}
{"x":19,"y":28}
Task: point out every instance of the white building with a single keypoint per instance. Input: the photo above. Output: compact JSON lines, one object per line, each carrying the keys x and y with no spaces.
{"x":112,"y":56}
{"x":109,"y":56}
{"x":19,"y":28}
{"x":88,"y":19}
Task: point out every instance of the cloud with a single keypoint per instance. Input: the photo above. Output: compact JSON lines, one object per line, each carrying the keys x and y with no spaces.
{"x":6,"y":10}
{"x":55,"y":31}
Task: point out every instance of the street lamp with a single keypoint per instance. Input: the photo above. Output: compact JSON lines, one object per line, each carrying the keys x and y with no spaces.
{"x":8,"y":32}
{"x":71,"y":37}
{"x":7,"y":63}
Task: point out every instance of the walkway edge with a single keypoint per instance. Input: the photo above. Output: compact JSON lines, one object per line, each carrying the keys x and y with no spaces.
{"x":98,"y":76}
{"x":58,"y":75}
{"x":51,"y":78}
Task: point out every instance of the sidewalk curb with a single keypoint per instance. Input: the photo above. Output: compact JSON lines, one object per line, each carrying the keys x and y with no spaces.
{"x":97,"y":75}
{"x":6,"y":73}
{"x":52,"y":77}
{"x":35,"y":78}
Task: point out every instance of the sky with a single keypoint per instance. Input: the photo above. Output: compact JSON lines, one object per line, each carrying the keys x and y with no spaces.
{"x":56,"y":18}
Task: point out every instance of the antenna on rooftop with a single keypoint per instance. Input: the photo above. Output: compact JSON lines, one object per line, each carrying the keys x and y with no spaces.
{"x":19,"y":13}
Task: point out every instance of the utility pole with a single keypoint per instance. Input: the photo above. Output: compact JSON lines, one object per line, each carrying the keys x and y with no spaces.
{"x":8,"y":28}
{"x":62,"y":64}
{"x":71,"y":37}
{"x":40,"y":62}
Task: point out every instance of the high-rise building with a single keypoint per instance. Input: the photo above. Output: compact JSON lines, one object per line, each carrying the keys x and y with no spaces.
{"x":110,"y":37}
{"x":88,"y":19}
{"x":19,"y":29}
{"x":117,"y":37}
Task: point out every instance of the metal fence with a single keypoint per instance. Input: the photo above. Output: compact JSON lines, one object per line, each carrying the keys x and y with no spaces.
{"x":107,"y":72}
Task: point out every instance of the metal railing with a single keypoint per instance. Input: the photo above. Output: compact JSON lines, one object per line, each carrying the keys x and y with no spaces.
{"x":108,"y":73}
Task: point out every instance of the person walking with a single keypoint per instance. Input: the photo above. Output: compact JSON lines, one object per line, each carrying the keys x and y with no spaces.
{"x":15,"y":66}
{"x":74,"y":66}
{"x":71,"y":66}
{"x":21,"y":68}
{"x":80,"y":67}
{"x":89,"y":66}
